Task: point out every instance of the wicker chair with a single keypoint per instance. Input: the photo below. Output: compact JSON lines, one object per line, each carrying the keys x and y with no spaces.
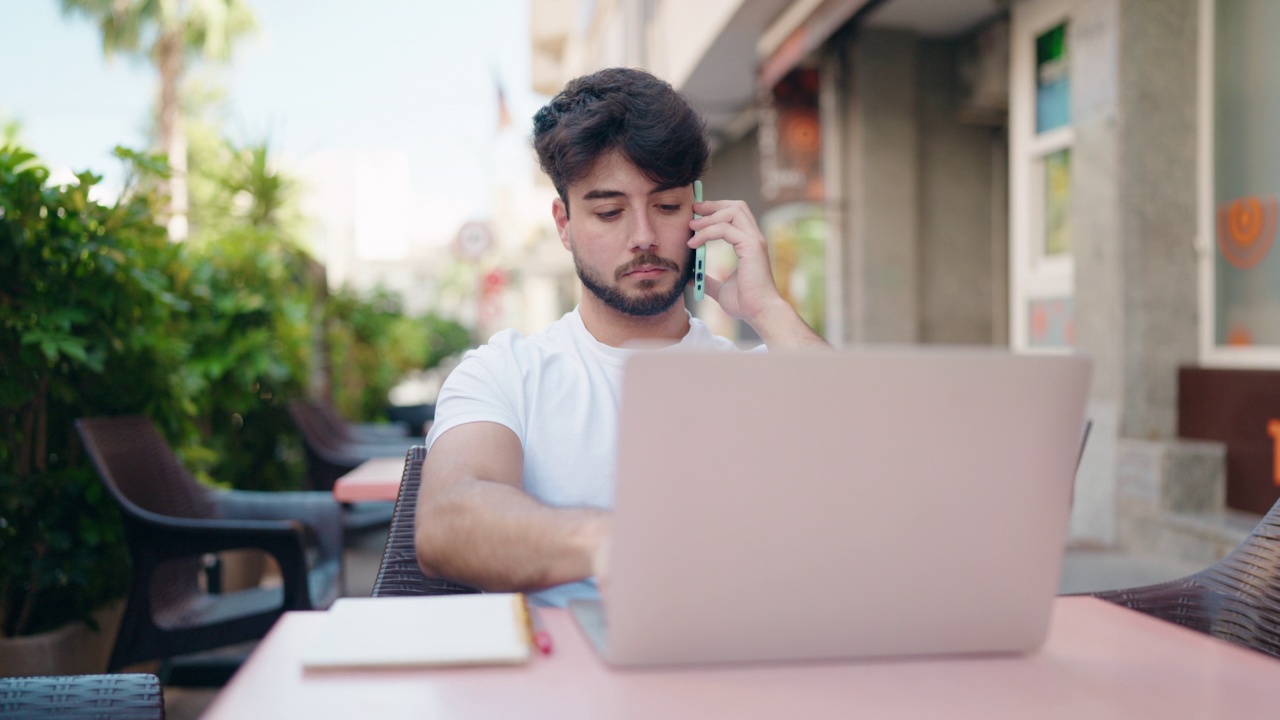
{"x":395,"y":433}
{"x":399,"y":574}
{"x":329,"y":457}
{"x":330,"y":451}
{"x":171,"y":521}
{"x":134,"y":696}
{"x":418,"y":418}
{"x":1236,"y":599}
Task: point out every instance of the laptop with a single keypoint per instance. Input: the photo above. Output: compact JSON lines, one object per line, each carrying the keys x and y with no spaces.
{"x":830,"y":505}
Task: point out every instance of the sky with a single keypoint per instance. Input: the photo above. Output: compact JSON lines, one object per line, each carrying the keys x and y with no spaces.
{"x":411,"y":78}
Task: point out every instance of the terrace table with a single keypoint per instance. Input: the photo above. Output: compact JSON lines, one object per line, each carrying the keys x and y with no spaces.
{"x":373,"y":480}
{"x":1100,"y":661}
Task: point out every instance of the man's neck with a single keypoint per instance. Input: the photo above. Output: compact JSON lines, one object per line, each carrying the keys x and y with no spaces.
{"x":617,"y":329}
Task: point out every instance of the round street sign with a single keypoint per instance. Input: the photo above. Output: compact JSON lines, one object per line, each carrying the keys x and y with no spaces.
{"x":474,"y":240}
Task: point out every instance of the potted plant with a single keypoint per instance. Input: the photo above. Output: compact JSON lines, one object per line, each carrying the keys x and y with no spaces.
{"x":85,"y":307}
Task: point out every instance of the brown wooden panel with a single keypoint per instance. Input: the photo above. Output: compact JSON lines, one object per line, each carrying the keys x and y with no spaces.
{"x":1235,"y":407}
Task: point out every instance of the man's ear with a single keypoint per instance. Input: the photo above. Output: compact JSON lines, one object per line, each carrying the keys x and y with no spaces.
{"x":560,"y":211}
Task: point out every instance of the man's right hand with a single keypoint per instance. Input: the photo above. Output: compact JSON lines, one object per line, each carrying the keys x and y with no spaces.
{"x":476,"y":524}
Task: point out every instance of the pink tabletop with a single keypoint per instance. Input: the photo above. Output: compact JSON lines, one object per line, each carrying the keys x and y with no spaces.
{"x":376,"y":479}
{"x":1101,"y":661}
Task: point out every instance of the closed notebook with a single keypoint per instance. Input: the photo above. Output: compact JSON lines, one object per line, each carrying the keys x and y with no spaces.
{"x":477,"y":629}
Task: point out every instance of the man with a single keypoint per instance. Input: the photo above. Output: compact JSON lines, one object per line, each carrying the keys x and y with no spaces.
{"x":519,"y":478}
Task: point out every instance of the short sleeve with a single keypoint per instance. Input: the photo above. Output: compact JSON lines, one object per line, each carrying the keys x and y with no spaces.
{"x":484,"y":387}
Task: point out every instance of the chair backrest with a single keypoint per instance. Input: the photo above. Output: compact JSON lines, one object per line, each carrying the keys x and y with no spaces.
{"x":140,"y":469}
{"x":399,"y":573}
{"x":315,"y":431}
{"x":1236,"y":599}
{"x":417,"y":417}
{"x":334,"y":424}
{"x":326,"y":460}
{"x":132,"y":696}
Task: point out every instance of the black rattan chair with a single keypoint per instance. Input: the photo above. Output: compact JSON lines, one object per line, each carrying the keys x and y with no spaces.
{"x":418,"y":418}
{"x":394,"y":433}
{"x":399,"y":573}
{"x":171,"y":521}
{"x":1236,"y":599}
{"x":330,"y":450}
{"x":329,"y":457}
{"x":132,"y":696}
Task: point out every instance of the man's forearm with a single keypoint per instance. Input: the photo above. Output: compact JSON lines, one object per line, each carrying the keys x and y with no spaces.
{"x":782,"y":328}
{"x":498,"y":538}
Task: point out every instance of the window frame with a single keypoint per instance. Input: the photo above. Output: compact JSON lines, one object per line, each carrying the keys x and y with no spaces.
{"x":1033,"y":276}
{"x":1211,"y":353}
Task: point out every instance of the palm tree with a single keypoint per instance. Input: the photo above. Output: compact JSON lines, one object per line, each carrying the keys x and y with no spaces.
{"x":168,"y":32}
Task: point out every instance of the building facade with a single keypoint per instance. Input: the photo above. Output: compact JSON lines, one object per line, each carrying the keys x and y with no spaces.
{"x":1043,"y":175}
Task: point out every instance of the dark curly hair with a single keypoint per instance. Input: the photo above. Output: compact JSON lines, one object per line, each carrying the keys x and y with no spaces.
{"x":620,"y":109}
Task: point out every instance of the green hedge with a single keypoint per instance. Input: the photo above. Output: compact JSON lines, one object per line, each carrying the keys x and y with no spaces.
{"x":249,"y":327}
{"x":101,"y":315}
{"x":85,"y":309}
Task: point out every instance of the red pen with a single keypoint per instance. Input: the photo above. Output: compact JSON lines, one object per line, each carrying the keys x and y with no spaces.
{"x":541,"y":638}
{"x":538,"y":635}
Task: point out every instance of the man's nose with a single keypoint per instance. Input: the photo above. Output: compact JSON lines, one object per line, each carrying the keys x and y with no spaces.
{"x":643,"y":235}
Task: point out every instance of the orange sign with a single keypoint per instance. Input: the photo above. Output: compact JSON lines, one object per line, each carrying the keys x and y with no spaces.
{"x":1246,"y":229}
{"x":1273,"y":429}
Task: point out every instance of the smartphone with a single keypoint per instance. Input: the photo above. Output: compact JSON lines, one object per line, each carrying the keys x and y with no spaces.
{"x":699,"y":255}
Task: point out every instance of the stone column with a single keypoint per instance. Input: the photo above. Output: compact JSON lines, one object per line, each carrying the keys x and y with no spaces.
{"x":963,"y":247}
{"x":882,"y":225}
{"x":1133,"y":220}
{"x":1133,"y":216}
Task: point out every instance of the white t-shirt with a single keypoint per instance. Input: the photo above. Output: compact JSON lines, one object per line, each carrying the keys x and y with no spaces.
{"x":559,"y":392}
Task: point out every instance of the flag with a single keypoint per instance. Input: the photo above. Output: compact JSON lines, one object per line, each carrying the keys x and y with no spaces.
{"x":504,"y":113}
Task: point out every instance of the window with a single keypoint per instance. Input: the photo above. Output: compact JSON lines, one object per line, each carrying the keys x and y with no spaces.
{"x":1053,"y":80}
{"x":1240,"y":111}
{"x":1041,"y":137}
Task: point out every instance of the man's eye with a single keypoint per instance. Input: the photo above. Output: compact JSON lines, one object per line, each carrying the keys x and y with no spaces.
{"x":669,"y":208}
{"x":608,"y":214}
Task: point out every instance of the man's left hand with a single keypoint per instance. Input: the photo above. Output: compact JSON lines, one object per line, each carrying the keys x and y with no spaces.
{"x":749,"y":291}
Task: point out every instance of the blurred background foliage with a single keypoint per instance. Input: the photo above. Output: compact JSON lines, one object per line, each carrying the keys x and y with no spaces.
{"x":85,"y":306}
{"x":250,"y":294}
{"x":100,"y":314}
{"x":252,"y":291}
{"x":373,"y":344}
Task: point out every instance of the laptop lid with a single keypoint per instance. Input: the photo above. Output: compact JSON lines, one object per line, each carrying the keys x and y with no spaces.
{"x":789,"y":506}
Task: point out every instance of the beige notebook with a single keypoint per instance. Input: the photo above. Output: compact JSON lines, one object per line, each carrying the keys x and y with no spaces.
{"x":478,"y":629}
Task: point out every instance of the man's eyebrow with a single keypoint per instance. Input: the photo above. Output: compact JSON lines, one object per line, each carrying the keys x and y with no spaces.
{"x":600,"y":193}
{"x":664,"y":188}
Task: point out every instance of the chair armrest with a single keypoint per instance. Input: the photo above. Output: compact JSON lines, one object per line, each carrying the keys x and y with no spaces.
{"x":337,"y":456}
{"x":379,"y":432}
{"x":379,"y":449}
{"x":167,"y":538}
{"x":399,"y":445}
{"x":318,"y":511}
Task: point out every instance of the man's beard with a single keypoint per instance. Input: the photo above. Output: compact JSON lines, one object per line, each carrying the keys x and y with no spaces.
{"x":651,"y":302}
